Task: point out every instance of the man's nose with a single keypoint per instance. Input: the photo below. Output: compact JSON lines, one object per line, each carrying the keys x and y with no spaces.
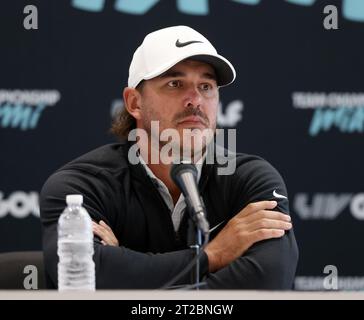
{"x":193,"y":98}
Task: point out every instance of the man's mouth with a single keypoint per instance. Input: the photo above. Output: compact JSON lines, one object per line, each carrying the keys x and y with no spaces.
{"x":192,"y":120}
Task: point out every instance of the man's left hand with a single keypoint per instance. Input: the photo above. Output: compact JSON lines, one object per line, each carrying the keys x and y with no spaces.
{"x":107,"y":236}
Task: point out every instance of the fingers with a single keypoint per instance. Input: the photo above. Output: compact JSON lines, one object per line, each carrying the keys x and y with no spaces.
{"x":256,"y":222}
{"x":265,"y":220}
{"x":102,"y":226}
{"x":257,"y":206}
{"x":269,"y":224}
{"x":105,"y":225}
{"x":105,"y":233}
{"x":267,"y":214}
{"x":98,"y":230}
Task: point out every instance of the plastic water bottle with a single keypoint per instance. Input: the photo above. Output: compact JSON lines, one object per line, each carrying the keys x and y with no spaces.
{"x":76,"y":268}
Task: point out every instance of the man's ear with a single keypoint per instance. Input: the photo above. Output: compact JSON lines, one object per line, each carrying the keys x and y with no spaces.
{"x":132,"y":101}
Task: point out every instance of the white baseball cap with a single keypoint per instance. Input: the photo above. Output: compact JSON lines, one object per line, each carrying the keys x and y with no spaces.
{"x":162,"y":49}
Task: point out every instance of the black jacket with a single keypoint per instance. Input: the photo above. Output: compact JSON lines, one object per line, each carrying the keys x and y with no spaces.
{"x":151,"y":252}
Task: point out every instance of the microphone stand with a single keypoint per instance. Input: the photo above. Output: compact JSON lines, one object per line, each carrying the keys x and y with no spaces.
{"x":185,"y":175}
{"x":195,"y":242}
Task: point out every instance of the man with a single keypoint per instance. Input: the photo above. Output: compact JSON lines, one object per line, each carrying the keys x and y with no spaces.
{"x":140,"y":223}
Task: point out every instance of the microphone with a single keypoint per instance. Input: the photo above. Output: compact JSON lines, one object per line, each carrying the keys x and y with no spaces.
{"x":184,"y":176}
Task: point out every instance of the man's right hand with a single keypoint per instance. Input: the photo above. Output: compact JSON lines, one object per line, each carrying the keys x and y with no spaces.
{"x":256,"y":222}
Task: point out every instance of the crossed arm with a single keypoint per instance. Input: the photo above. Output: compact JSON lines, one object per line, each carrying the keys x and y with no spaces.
{"x":255,"y":250}
{"x":254,"y":223}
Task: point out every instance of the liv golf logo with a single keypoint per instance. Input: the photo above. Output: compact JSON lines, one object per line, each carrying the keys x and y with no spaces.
{"x":21,"y":109}
{"x":328,"y":206}
{"x":352,"y":9}
{"x":19,"y":204}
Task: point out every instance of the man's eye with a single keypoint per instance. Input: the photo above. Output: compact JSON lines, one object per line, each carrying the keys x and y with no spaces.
{"x":174,"y":84}
{"x":206,"y":86}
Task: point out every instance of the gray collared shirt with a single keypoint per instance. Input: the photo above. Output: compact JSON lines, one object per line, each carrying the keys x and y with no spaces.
{"x":177,"y":210}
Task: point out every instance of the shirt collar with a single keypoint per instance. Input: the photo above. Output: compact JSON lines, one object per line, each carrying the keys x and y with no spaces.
{"x":154,"y":178}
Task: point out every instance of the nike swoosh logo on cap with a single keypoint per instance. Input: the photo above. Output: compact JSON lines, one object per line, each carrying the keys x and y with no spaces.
{"x":277,"y":195}
{"x":183,"y":44}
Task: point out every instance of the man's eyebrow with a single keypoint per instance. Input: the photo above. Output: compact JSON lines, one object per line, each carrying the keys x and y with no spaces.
{"x":175,"y":74}
{"x":172,"y":74}
{"x":209,"y":75}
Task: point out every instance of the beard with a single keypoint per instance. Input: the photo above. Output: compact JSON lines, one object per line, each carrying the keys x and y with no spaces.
{"x":176,"y":144}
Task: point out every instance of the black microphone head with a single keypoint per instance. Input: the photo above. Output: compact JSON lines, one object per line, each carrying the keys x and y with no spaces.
{"x":184,"y":176}
{"x":179,"y":168}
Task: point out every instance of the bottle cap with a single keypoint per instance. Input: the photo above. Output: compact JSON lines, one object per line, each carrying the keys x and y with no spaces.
{"x":74,"y":199}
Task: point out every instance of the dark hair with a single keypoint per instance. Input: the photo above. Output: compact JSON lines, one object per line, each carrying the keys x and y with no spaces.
{"x":124,"y":122}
